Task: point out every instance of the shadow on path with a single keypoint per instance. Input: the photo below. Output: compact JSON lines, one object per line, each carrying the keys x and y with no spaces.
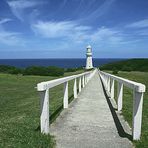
{"x":118,"y":124}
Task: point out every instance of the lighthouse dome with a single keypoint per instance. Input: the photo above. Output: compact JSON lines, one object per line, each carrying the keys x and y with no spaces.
{"x":88,"y":46}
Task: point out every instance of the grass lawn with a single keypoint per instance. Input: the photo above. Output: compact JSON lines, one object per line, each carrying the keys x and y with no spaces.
{"x":20,"y":110}
{"x":141,"y":77}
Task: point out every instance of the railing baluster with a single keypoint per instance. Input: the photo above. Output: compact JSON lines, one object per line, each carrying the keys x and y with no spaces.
{"x":75,"y":88}
{"x":112,"y":88}
{"x":120,"y":96}
{"x":83,"y":81}
{"x":108,"y":84}
{"x":138,"y":91}
{"x":137,"y":114}
{"x":80,"y":84}
{"x":65,"y":100}
{"x":106,"y":81}
{"x":44,"y":118}
{"x":43,"y":89}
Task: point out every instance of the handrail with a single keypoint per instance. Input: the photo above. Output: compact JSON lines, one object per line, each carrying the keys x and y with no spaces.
{"x":44,"y":90}
{"x":138,"y":91}
{"x":131,"y":84}
{"x":49,"y":84}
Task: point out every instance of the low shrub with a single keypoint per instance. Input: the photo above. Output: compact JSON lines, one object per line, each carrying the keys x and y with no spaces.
{"x":73,"y":69}
{"x":44,"y":71}
{"x":126,"y":68}
{"x":115,"y":71}
{"x":10,"y":69}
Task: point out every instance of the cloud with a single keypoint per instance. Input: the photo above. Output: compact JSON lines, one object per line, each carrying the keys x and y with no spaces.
{"x":73,"y":33}
{"x":5,"y":20}
{"x":18,"y":7}
{"x":8,"y":37}
{"x":98,"y":12}
{"x":107,"y":35}
{"x":65,"y":29}
{"x":143,"y":32}
{"x":139,"y":24}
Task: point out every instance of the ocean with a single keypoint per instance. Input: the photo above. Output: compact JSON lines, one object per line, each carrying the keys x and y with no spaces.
{"x":63,"y":63}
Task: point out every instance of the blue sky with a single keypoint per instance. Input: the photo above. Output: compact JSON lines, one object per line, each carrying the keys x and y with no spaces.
{"x":63,"y":28}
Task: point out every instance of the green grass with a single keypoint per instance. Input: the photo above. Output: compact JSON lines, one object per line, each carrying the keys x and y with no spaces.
{"x":141,"y":77}
{"x":20,"y":110}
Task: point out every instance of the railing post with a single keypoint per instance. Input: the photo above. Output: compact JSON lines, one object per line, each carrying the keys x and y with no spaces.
{"x":80,"y":84}
{"x":44,"y":118}
{"x":83,"y":81}
{"x":75,"y":88}
{"x":87,"y":78}
{"x":137,"y":114}
{"x":112,"y":88}
{"x":65,"y":100}
{"x":108,"y":83}
{"x":120,"y":96}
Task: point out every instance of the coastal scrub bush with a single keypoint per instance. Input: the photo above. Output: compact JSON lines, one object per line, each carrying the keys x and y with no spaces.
{"x":127,"y":65}
{"x":115,"y":71}
{"x":35,"y":70}
{"x":55,"y":71}
{"x":44,"y":71}
{"x":73,"y":69}
{"x":126,"y":68}
{"x":10,"y":69}
{"x":16,"y":71}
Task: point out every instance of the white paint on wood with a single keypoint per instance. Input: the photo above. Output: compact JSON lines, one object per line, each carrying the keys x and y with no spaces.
{"x":108,"y":84}
{"x":137,"y":114}
{"x":120,"y":96}
{"x":131,"y":84}
{"x":75,"y":88}
{"x":138,"y":90}
{"x":44,"y":118}
{"x":44,"y":88}
{"x":49,"y":84}
{"x":80,"y":84}
{"x":83,"y":81}
{"x":112,"y":88}
{"x":65,"y":100}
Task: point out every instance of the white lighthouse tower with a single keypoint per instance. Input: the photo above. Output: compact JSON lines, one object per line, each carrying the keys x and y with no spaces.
{"x":89,"y":64}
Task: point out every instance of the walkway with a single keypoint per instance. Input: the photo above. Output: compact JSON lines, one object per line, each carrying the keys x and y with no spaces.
{"x":88,"y":122}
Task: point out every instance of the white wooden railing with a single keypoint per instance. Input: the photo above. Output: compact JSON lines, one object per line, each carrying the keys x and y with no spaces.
{"x":138,"y":91}
{"x":44,"y":90}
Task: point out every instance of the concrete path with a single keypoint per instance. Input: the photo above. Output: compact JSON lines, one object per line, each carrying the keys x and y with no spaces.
{"x":88,"y":122}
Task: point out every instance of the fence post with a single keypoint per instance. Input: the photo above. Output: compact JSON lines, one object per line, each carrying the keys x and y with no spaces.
{"x":83,"y":81}
{"x":120,"y":96}
{"x":112,"y":88}
{"x":75,"y":88}
{"x":44,"y":117}
{"x":80,"y":84}
{"x":86,"y":78}
{"x":108,"y":83}
{"x":137,"y":114}
{"x":105,"y":81}
{"x":65,"y":100}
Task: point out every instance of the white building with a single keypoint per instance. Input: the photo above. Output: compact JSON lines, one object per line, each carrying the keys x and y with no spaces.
{"x":89,"y":64}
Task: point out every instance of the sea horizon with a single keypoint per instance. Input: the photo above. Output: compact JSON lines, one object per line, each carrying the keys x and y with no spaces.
{"x":58,"y":62}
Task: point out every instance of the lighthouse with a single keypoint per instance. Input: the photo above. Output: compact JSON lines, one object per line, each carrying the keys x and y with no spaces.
{"x":89,"y":64}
